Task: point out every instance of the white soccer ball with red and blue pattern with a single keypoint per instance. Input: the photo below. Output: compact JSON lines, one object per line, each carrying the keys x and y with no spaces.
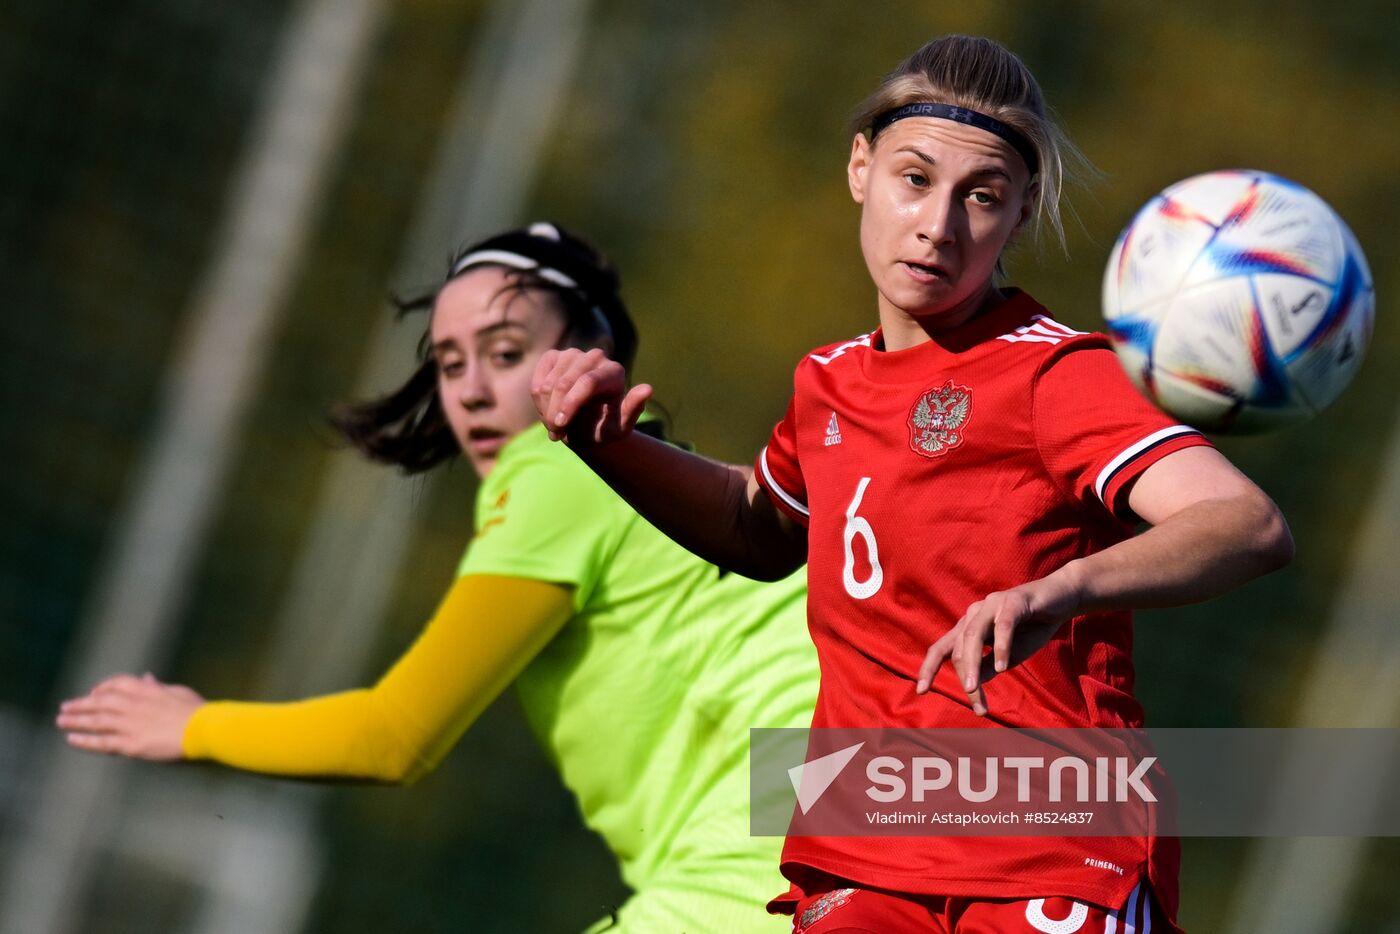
{"x":1238,"y":301}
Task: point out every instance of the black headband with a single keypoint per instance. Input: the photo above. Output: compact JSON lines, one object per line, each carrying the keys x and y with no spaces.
{"x":1013,"y":137}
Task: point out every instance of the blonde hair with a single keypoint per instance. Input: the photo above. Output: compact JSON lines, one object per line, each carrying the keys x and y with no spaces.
{"x":983,"y":75}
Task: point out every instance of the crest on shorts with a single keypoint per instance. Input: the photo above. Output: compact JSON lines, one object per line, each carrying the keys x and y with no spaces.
{"x":938,"y":418}
{"x":823,"y":906}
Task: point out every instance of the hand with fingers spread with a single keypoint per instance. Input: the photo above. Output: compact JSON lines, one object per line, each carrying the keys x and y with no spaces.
{"x":124,"y":715}
{"x":583,"y":398}
{"x":1016,"y":623}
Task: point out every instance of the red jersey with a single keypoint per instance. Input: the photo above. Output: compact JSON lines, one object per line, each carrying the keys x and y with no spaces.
{"x":977,"y":461}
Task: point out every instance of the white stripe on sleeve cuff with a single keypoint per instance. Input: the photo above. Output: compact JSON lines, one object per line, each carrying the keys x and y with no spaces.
{"x":773,"y":485}
{"x":1132,"y":452}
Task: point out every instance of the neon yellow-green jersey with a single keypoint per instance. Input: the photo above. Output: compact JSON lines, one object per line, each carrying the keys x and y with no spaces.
{"x":645,"y":698}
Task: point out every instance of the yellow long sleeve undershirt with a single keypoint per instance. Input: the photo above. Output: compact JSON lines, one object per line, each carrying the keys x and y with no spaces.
{"x":485,"y":632}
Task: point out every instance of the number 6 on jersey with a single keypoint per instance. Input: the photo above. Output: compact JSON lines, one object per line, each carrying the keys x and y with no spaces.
{"x":856,"y":525}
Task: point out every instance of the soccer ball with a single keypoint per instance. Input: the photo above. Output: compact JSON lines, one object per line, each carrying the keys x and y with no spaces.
{"x":1238,"y":301}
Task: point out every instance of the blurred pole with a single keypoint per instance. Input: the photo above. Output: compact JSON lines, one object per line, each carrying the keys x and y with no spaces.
{"x":505,"y":107}
{"x":143,"y":585}
{"x":1302,"y":884}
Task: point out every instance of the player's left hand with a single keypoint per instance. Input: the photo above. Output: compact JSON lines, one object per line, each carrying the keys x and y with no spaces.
{"x":141,"y":718}
{"x":583,"y":397}
{"x":1016,"y":623}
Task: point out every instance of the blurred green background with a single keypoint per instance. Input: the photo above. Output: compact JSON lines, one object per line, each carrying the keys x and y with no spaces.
{"x":703,"y":147}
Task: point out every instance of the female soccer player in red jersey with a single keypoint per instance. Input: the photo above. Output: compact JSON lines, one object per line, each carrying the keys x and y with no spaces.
{"x":968,"y":475}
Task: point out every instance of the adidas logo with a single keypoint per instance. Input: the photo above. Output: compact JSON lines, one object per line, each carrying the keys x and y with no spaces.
{"x":833,"y":432}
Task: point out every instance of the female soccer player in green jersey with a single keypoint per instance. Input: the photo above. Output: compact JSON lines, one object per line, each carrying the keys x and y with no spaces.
{"x":594,"y":615}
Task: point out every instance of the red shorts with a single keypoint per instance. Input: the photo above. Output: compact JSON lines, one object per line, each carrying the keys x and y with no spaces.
{"x":873,"y":911}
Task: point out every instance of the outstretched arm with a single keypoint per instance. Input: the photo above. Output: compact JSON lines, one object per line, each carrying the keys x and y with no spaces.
{"x":718,"y":511}
{"x":1212,"y":530}
{"x":487,"y":629}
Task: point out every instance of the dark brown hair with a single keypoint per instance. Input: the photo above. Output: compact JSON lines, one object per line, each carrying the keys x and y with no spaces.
{"x":407,"y":427}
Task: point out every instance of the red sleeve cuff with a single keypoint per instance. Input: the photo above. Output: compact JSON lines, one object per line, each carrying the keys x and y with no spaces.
{"x":1119,"y":473}
{"x":786,"y":501}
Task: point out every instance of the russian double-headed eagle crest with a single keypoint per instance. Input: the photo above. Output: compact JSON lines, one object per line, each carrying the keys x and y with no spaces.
{"x":822,"y":907}
{"x":937,"y":420}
